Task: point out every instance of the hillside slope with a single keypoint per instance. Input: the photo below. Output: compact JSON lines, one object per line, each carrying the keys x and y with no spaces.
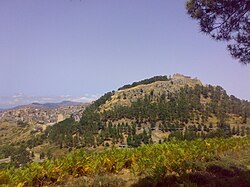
{"x":155,"y":110}
{"x":128,"y":94}
{"x":211,"y":102}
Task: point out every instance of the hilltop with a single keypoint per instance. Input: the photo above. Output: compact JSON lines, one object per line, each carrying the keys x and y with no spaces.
{"x":155,"y":86}
{"x":198,"y":100}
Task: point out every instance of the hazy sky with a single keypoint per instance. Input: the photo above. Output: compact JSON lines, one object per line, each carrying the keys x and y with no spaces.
{"x":73,"y":47}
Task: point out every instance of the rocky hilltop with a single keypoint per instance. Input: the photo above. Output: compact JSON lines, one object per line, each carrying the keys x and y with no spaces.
{"x":155,"y":88}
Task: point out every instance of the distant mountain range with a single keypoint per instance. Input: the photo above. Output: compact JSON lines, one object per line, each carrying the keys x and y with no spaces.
{"x":46,"y":105}
{"x":11,"y":101}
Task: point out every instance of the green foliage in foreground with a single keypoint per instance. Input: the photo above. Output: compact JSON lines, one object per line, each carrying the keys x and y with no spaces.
{"x":158,"y":160}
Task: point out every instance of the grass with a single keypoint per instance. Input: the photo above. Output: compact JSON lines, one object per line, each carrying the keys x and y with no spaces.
{"x":10,"y":132}
{"x":175,"y":162}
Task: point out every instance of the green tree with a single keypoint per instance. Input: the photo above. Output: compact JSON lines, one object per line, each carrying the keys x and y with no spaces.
{"x":20,"y":156}
{"x":225,"y":20}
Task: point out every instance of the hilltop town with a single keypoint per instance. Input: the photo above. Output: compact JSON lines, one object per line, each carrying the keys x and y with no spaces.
{"x":18,"y":124}
{"x":41,"y":114}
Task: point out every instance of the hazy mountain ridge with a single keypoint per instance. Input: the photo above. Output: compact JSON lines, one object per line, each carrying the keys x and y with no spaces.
{"x":19,"y":99}
{"x":47,"y":105}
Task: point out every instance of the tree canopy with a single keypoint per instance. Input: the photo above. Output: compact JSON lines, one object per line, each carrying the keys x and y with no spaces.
{"x":225,"y":20}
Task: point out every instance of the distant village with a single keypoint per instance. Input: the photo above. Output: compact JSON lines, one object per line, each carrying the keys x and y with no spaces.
{"x":40,"y":115}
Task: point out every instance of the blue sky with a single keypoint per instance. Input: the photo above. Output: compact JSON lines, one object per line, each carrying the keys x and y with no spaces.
{"x":72,"y":47}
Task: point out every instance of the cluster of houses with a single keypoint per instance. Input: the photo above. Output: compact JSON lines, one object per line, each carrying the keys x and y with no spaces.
{"x":38,"y":115}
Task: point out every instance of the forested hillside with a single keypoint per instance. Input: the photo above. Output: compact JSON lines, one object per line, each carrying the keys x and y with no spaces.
{"x":186,"y":109}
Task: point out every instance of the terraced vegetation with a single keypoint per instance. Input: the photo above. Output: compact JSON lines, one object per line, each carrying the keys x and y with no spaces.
{"x":197,"y":162}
